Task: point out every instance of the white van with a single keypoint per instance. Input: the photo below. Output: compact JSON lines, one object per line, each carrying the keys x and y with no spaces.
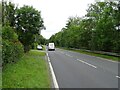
{"x":51,"y":46}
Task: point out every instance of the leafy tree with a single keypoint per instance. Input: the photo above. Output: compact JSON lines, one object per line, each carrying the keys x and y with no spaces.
{"x":97,"y":30}
{"x":8,"y":13}
{"x":40,"y":39}
{"x":12,"y":49}
{"x":0,"y":12}
{"x":103,"y":14}
{"x":28,"y":24}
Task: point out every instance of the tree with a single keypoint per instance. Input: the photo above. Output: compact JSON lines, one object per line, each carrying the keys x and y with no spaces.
{"x":28,"y":23}
{"x":0,"y":12}
{"x":8,"y":13}
{"x":40,"y":39}
{"x":12,"y":49}
{"x":97,"y":30}
{"x":104,"y":16}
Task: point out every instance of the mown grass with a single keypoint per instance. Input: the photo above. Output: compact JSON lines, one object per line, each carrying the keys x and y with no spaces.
{"x":30,"y":71}
{"x":44,"y":47}
{"x":95,"y":54}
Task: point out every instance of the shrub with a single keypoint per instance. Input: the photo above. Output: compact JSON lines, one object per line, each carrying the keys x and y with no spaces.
{"x":12,"y":49}
{"x":9,"y":34}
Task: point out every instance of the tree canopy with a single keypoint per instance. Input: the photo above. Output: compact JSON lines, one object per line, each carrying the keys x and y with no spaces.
{"x":28,"y":23}
{"x":97,"y":30}
{"x":19,"y":29}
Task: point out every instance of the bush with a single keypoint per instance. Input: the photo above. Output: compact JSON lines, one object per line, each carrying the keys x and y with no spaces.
{"x":12,"y":49}
{"x":9,"y":34}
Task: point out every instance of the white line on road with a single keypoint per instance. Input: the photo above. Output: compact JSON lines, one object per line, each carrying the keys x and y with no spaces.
{"x":87,"y":63}
{"x":69,"y":55}
{"x":62,"y":52}
{"x":53,"y":74}
{"x":117,"y":76}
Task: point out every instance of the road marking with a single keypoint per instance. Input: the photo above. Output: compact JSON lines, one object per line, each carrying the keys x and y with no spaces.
{"x":69,"y":55}
{"x":87,"y":63}
{"x":53,"y":74}
{"x":66,"y":54}
{"x":117,"y":76}
{"x":47,"y":54}
{"x":62,"y":52}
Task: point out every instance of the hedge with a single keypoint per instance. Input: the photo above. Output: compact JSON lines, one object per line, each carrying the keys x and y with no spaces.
{"x":12,"y":49}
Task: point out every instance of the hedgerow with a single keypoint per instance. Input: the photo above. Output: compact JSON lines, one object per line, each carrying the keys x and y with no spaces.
{"x":12,"y":49}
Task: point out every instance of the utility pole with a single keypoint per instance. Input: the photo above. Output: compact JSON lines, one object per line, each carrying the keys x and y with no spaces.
{"x":2,"y":12}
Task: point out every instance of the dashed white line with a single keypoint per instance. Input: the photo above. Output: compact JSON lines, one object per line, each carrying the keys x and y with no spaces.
{"x":69,"y":55}
{"x":87,"y":63}
{"x":61,"y":52}
{"x":117,"y":76}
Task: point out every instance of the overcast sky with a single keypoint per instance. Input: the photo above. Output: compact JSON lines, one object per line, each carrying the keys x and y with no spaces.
{"x":55,"y":13}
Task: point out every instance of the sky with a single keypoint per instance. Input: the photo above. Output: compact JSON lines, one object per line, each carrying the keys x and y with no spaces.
{"x":55,"y":13}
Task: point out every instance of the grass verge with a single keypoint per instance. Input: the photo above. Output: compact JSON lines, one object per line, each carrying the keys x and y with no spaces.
{"x":44,"y":47}
{"x":95,"y":54}
{"x":30,"y":71}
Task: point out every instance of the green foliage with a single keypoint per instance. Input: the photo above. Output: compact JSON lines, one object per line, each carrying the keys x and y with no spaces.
{"x":34,"y":45}
{"x":0,"y":12}
{"x":96,"y":31}
{"x":8,"y":13}
{"x":40,"y":39}
{"x":28,"y":24}
{"x":9,"y":34}
{"x":12,"y":49}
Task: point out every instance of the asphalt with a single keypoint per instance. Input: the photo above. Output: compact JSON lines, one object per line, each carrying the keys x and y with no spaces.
{"x":75,"y":70}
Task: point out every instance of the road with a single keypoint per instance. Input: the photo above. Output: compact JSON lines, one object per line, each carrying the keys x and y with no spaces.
{"x":75,"y":70}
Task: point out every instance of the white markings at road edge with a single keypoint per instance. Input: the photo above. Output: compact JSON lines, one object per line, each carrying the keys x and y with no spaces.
{"x":53,"y":74}
{"x":87,"y":63}
{"x":117,"y":76}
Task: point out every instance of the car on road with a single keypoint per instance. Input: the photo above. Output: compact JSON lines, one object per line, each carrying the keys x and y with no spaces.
{"x":51,"y":46}
{"x":39,"y":47}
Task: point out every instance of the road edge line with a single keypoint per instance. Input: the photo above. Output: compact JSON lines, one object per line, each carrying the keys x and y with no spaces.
{"x":53,"y":74}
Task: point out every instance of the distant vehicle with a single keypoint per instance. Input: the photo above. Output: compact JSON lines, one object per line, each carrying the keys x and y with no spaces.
{"x":51,"y":46}
{"x":39,"y":47}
